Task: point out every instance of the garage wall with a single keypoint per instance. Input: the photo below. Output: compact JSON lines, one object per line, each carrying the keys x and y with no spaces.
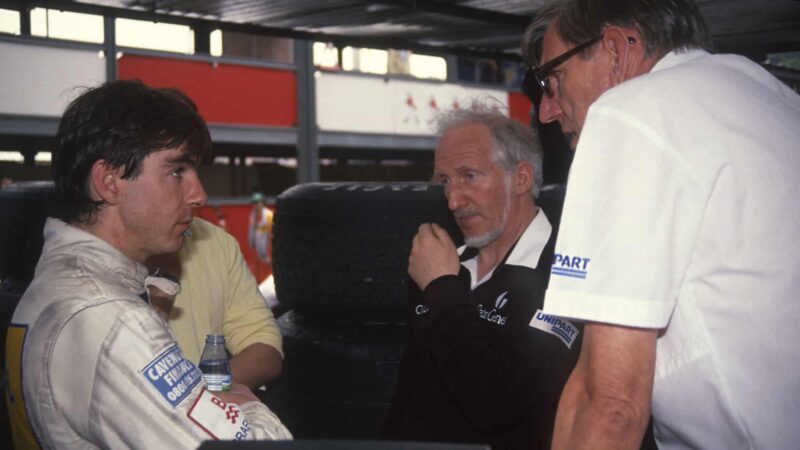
{"x":369,"y":104}
{"x":224,"y":93}
{"x":41,"y":81}
{"x":519,"y":107}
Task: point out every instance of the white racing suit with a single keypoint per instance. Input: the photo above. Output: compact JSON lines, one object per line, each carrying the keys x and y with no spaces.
{"x":91,"y":365}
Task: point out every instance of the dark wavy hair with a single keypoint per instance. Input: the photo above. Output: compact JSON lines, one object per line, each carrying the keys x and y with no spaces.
{"x":665,"y":25}
{"x":121,"y":122}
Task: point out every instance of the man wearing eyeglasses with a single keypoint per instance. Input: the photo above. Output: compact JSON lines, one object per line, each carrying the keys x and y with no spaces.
{"x":676,"y":211}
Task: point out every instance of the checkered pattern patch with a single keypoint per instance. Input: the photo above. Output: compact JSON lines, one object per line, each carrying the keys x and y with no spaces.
{"x":220,"y":420}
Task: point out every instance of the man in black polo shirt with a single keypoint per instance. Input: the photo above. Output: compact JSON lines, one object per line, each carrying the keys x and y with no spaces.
{"x":482,"y":363}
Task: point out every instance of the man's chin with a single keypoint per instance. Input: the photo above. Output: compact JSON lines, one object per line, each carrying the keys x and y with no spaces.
{"x":482,"y":240}
{"x":175,"y":245}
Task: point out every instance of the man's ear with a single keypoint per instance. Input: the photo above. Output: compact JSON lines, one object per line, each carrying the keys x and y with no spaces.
{"x":626,"y":49}
{"x":105,"y":181}
{"x":523,"y":179}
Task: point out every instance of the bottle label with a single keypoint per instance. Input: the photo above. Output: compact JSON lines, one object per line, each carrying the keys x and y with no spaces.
{"x":218,"y":382}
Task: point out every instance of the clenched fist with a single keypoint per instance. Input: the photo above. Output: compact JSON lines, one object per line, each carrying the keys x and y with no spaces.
{"x":433,"y":255}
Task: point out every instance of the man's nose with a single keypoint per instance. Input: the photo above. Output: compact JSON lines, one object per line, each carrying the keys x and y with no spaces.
{"x":455,"y":197}
{"x":549,"y":110}
{"x":196,"y":195}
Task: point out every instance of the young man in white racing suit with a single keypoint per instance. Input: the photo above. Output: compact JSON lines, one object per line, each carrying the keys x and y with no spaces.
{"x":91,"y":364}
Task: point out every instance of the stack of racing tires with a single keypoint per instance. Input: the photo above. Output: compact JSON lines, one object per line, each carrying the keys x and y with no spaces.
{"x":340,"y":257}
{"x":24,"y":207}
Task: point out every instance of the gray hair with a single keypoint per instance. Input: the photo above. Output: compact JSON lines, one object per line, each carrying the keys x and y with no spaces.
{"x":512,"y":141}
{"x":665,"y":25}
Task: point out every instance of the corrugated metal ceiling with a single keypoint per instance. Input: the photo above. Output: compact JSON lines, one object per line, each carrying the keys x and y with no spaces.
{"x":753,"y":27}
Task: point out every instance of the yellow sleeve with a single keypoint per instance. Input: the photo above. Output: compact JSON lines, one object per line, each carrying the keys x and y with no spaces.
{"x":219,"y":295}
{"x":247,"y":320}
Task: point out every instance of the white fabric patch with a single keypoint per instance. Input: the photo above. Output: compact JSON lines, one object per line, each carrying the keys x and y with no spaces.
{"x":222,"y":421}
{"x":165,"y":284}
{"x":558,"y":327}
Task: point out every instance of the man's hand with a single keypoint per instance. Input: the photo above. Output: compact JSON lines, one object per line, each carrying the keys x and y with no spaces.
{"x":238,"y":394}
{"x":433,"y":255}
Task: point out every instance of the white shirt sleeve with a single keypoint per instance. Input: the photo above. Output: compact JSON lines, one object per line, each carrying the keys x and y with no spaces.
{"x":631,"y":216}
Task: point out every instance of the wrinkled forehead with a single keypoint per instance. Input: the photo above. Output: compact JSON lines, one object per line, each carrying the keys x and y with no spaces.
{"x":466,"y":144}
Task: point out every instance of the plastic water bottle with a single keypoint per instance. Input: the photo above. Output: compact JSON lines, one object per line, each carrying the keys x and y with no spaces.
{"x":214,"y":364}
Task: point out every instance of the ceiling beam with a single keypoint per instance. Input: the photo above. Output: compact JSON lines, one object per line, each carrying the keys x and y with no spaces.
{"x":457,"y":10}
{"x":339,"y":40}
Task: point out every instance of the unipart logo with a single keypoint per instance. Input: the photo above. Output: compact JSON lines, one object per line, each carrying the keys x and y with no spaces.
{"x":559,"y":327}
{"x":570,"y":266}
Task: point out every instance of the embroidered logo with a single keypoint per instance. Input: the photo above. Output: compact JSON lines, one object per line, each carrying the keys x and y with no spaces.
{"x":561,"y":328}
{"x":570,"y":266}
{"x":493,"y":315}
{"x":173,"y":376}
{"x":501,"y":300}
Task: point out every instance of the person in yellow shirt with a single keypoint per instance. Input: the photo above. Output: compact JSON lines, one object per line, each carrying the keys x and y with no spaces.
{"x":220,"y":295}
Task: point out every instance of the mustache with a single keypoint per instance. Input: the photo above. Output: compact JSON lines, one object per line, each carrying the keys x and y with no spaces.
{"x":464,"y":212}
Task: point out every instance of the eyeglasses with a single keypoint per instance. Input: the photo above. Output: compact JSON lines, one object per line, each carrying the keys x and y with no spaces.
{"x":537,"y":81}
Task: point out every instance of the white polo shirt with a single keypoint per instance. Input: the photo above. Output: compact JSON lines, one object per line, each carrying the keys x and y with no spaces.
{"x":681,"y":214}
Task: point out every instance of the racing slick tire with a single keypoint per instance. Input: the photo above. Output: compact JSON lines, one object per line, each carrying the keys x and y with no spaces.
{"x":340,"y":250}
{"x":24,"y":207}
{"x":338,"y":377}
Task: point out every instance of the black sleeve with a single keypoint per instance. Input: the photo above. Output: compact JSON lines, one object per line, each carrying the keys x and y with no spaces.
{"x":498,"y":375}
